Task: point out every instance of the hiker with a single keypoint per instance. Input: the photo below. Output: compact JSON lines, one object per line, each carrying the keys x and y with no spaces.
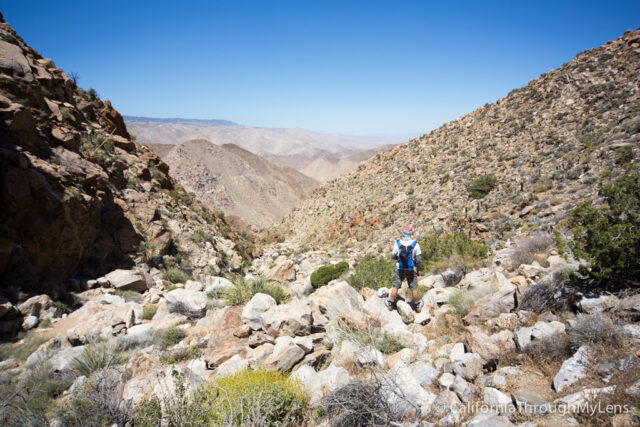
{"x":407,"y":252}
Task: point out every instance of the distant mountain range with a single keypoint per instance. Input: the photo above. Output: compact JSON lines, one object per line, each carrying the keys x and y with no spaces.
{"x":296,"y":148}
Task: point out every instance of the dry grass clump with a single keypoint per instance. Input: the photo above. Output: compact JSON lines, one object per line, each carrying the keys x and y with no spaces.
{"x":531,"y":249}
{"x":358,"y":403}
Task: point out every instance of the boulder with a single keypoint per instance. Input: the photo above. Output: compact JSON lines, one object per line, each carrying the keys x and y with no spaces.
{"x":40,"y":305}
{"x":285,"y":354}
{"x":629,"y":308}
{"x":252,"y":312}
{"x":188,"y":303}
{"x":424,"y":373}
{"x":489,"y":348}
{"x":490,"y":306}
{"x":325,"y":382}
{"x":447,"y":401}
{"x":60,"y":361}
{"x":575,"y":401}
{"x":572,"y":370}
{"x":127,"y":280}
{"x":339,"y":298}
{"x":526,"y":336}
{"x":350,"y":354}
{"x":465,"y":391}
{"x":292,"y":319}
{"x":468,"y":366}
{"x":94,"y":320}
{"x":597,"y":304}
{"x":194,"y":286}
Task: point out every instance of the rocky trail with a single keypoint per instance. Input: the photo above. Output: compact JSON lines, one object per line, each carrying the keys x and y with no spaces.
{"x":481,"y":361}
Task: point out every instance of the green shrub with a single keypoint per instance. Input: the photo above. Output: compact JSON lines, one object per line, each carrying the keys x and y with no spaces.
{"x":168,"y":337}
{"x":148,"y":311}
{"x":180,"y":354}
{"x":250,"y":395}
{"x":481,"y":186}
{"x":372,"y":273}
{"x":243,"y":290}
{"x":387,"y":344}
{"x":608,"y":236}
{"x":462,"y":301}
{"x":327,"y":273}
{"x":98,"y":356}
{"x":451,"y":248}
{"x":175,"y":275}
{"x":257,"y":398}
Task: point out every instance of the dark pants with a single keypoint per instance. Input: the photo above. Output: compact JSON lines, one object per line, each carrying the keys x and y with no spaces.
{"x":409,"y":275}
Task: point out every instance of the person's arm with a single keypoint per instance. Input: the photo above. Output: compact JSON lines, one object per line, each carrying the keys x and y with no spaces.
{"x":394,"y":251}
{"x":417,"y":254}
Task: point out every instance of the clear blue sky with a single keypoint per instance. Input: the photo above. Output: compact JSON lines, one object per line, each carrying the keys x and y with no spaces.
{"x":361,"y":67}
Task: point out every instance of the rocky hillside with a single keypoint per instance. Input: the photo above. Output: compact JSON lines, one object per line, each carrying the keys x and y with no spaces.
{"x":546,"y":144}
{"x":79,"y":196}
{"x":326,"y":168}
{"x":232,"y":180}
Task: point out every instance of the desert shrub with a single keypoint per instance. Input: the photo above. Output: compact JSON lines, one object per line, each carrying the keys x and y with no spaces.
{"x":594,"y":329}
{"x":372,"y":273}
{"x":175,"y":275}
{"x":608,"y":236}
{"x":148,"y":311}
{"x":358,"y":403}
{"x":46,"y":323}
{"x":98,"y":356}
{"x":480,"y":187}
{"x":180,"y":354}
{"x":530,"y":249}
{"x":387,"y":344}
{"x":451,"y":248}
{"x":169,"y":337}
{"x":128,"y":295}
{"x":26,"y":402}
{"x":327,"y":273}
{"x":462,"y":301}
{"x":98,"y":402}
{"x":136,"y":341}
{"x":259,"y":397}
{"x":244,"y":289}
{"x":22,"y":350}
{"x":624,"y":155}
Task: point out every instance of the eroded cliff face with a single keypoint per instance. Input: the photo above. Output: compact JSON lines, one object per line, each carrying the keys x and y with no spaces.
{"x":78,"y":196}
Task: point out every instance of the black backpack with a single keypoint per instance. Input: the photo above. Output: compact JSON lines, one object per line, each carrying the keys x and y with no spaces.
{"x":405,"y":255}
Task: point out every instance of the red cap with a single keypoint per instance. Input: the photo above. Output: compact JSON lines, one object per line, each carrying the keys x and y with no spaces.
{"x":408,"y":228}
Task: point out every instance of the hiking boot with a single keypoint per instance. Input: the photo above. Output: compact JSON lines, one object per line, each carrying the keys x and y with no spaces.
{"x":389,"y":304}
{"x":419,"y":306}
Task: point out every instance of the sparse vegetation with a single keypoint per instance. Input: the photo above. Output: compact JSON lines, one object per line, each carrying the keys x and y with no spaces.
{"x":175,"y":275}
{"x":21,"y":351}
{"x":462,"y":301}
{"x":327,"y":273}
{"x":98,"y":356}
{"x":244,"y":289}
{"x":128,"y":295}
{"x":148,"y":311}
{"x":387,"y":344}
{"x":531,"y":249}
{"x":451,"y":250}
{"x":169,"y":337}
{"x":594,"y":329}
{"x":372,"y":273}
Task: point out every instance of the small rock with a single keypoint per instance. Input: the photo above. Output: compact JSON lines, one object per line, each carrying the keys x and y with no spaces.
{"x":405,"y":311}
{"x":242,"y":331}
{"x":446,"y":380}
{"x":497,"y":400}
{"x":188,"y":303}
{"x":30,"y":322}
{"x":465,"y":391}
{"x":383,"y":292}
{"x":252,"y":312}
{"x":305,"y":343}
{"x":530,"y":404}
